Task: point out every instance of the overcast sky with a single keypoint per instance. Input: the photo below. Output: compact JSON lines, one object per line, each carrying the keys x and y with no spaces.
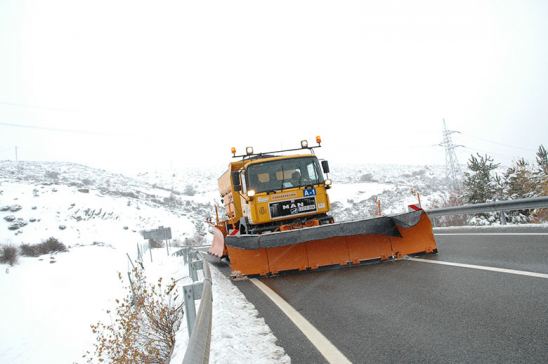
{"x":172,"y":83}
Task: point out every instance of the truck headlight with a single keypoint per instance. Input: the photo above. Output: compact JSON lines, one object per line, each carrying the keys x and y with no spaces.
{"x":304,"y":143}
{"x":251,"y":193}
{"x":249,"y":150}
{"x":328,"y":183}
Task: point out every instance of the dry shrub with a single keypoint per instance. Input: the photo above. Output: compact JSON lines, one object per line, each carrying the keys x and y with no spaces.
{"x":8,"y":254}
{"x":144,"y":324}
{"x":30,"y":250}
{"x":540,"y":216}
{"x":51,"y":245}
{"x":448,"y":220}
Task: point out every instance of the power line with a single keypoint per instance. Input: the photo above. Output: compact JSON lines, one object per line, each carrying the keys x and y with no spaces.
{"x":476,"y":150}
{"x":62,"y":130}
{"x":498,"y":143}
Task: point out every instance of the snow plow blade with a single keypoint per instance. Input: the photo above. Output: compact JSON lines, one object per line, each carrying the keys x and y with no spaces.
{"x":345,"y":243}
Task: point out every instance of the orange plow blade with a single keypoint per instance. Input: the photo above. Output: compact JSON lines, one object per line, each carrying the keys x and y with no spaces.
{"x":218,"y":244}
{"x":334,"y":244}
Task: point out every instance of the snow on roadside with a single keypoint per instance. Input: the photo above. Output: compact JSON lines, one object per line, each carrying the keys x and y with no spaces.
{"x":239,"y":335}
{"x":47,"y":308}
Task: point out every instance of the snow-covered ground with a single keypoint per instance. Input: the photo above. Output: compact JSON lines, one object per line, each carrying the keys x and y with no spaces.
{"x":49,"y":302}
{"x":47,"y":308}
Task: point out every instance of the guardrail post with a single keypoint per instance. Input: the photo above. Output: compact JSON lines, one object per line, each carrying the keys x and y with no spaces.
{"x":193,"y":268}
{"x":199,"y":324}
{"x":502,"y":218}
{"x":192,"y":292}
{"x":185,"y":254}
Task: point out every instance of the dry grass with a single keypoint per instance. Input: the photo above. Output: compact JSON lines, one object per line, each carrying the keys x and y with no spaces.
{"x":8,"y":254}
{"x":144,"y":324}
{"x":51,"y":245}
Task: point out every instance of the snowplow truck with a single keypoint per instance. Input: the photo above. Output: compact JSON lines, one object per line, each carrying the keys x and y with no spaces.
{"x":277,"y":218}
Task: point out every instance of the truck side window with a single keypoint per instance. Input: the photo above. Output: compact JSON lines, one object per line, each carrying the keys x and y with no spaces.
{"x":311,"y":171}
{"x":244,"y":184}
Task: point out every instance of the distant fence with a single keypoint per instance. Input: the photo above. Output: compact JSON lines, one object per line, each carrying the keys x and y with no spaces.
{"x":496,"y":206}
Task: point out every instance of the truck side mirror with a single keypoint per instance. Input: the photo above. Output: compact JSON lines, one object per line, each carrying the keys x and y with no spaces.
{"x":325,"y":167}
{"x":236,"y":181}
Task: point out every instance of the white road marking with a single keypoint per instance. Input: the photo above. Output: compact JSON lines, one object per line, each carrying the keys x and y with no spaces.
{"x":481,"y":267}
{"x":495,"y":234}
{"x":324,"y":346}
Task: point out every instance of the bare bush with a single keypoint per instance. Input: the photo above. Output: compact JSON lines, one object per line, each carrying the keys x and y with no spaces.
{"x":449,"y":220}
{"x":30,"y":250}
{"x":51,"y":245}
{"x":367,"y":177}
{"x":189,"y":190}
{"x":52,"y":175}
{"x":8,"y":254}
{"x":539,"y":216}
{"x":144,"y":324}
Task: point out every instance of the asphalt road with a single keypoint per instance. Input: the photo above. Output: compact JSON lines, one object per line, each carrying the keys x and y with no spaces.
{"x":492,"y":248}
{"x":409,"y":311}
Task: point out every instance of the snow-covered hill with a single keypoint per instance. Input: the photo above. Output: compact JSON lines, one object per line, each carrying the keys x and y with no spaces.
{"x":357,"y":187}
{"x":82,"y":205}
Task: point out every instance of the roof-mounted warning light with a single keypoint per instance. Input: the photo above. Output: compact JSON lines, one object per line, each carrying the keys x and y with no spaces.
{"x":249,"y":153}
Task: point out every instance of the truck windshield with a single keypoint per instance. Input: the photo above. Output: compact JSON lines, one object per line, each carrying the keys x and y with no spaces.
{"x":286,"y":173}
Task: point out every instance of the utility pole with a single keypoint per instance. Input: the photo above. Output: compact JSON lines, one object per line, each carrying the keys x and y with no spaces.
{"x":453,"y":173}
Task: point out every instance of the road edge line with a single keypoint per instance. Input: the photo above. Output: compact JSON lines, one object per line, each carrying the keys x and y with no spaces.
{"x":320,"y":342}
{"x":481,"y":267}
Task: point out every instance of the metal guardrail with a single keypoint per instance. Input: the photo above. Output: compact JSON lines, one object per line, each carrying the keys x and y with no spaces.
{"x":508,"y":205}
{"x":199,"y":325}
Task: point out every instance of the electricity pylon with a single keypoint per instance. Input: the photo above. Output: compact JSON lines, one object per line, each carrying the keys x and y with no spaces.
{"x":453,"y":173}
